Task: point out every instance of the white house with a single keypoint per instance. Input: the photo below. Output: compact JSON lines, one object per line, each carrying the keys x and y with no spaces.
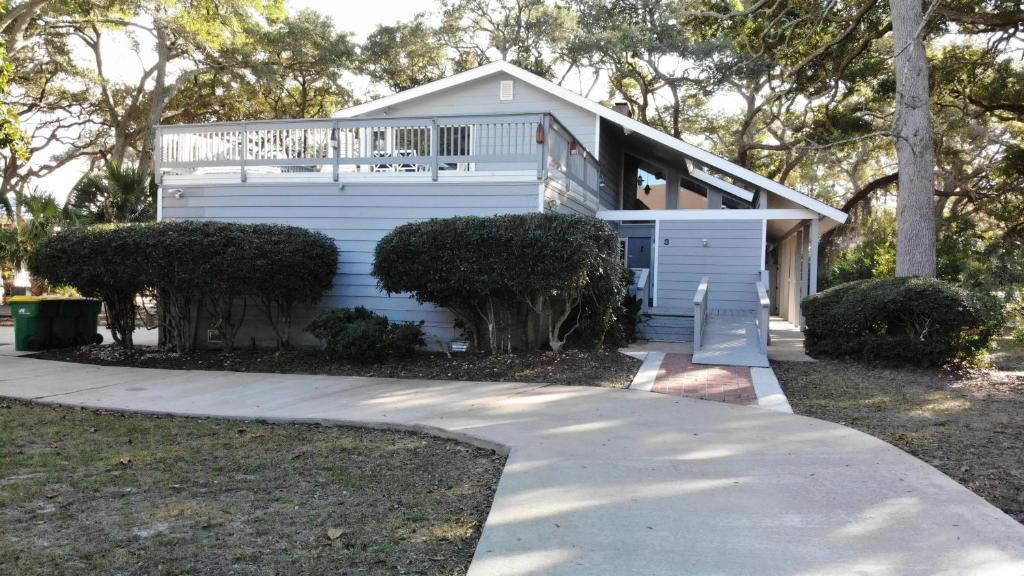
{"x":498,"y":139}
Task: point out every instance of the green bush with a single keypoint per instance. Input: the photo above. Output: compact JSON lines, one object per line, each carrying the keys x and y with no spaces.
{"x":911,"y":320}
{"x":360,"y":335}
{"x":513,"y":281}
{"x":189,"y":266}
{"x":609,"y":316}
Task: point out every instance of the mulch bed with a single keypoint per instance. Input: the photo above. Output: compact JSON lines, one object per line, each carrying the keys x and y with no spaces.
{"x":572,"y":367}
{"x":94,"y":492}
{"x":969,"y":425}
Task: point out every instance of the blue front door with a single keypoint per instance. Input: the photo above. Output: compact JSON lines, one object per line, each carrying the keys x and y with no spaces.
{"x":638,"y":252}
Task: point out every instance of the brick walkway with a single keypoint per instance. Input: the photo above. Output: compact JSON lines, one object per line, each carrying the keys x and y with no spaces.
{"x":678,"y":376}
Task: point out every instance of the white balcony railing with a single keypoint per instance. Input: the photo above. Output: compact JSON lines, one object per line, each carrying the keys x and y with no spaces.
{"x":430,"y":145}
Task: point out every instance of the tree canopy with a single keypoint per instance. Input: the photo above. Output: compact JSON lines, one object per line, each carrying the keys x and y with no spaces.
{"x":804,"y":92}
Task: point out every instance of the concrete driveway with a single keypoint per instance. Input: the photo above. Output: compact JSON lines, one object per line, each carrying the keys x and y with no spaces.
{"x":620,"y":482}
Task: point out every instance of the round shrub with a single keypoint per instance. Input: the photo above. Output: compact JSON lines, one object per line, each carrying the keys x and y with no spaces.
{"x":361,"y":335}
{"x":909,"y":320}
{"x":514,"y":281}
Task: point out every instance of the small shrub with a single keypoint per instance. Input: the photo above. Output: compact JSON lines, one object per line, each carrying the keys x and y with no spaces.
{"x":909,"y":320}
{"x":360,"y":335}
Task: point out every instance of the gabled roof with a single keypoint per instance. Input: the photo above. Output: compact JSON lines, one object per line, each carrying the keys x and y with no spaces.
{"x":697,"y":154}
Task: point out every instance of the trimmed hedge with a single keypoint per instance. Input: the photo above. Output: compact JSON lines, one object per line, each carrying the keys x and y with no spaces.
{"x":909,"y":320}
{"x":360,"y":335}
{"x":189,"y":266}
{"x":514,"y":281}
{"x":107,"y":262}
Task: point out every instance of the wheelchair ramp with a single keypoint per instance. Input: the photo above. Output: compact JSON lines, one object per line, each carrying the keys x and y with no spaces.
{"x":731,"y":339}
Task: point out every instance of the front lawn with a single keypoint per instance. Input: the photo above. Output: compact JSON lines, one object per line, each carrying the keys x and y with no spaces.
{"x":90,"y":492}
{"x":969,"y":426}
{"x":571,"y":367}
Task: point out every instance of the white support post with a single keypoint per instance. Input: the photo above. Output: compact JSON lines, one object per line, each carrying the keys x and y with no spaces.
{"x":336,"y":135}
{"x":435,"y":142}
{"x":542,"y":162}
{"x":245,"y":150}
{"x":654,"y":265}
{"x":804,"y":250}
{"x":813,"y":272}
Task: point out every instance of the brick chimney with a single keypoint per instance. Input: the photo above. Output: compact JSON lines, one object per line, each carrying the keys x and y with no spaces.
{"x":622,"y":108}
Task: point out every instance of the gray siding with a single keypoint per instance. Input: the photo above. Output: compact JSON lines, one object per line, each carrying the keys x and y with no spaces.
{"x":559,"y":199}
{"x":480,"y":97}
{"x":356,"y":217}
{"x":732,"y":261}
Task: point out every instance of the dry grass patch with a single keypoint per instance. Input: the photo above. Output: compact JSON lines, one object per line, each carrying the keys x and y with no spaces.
{"x":92,"y":492}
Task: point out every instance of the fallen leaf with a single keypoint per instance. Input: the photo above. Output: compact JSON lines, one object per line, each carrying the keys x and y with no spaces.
{"x":1000,"y":430}
{"x":335,"y":533}
{"x":125,"y":461}
{"x":51,"y":495}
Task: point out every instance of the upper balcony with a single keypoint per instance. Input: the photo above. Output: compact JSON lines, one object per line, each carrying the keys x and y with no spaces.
{"x":441,"y":148}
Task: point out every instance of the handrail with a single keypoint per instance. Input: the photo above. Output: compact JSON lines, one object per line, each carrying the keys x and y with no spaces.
{"x":763,"y":315}
{"x":640,"y":277}
{"x":700,"y":313}
{"x":393,"y":144}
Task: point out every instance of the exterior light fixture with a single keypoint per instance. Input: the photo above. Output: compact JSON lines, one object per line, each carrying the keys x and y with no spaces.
{"x":540,"y":133}
{"x":647,"y":189}
{"x":572,"y":148}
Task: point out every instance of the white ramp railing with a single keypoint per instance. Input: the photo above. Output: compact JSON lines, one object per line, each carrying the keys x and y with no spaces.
{"x":640,"y":286}
{"x":700,"y":313}
{"x":762,"y":316}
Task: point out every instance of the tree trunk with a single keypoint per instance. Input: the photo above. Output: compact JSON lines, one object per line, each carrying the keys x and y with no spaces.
{"x":915,"y":241}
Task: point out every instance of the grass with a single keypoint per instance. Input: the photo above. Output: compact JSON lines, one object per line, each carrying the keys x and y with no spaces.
{"x":970,"y":426}
{"x":92,"y":492}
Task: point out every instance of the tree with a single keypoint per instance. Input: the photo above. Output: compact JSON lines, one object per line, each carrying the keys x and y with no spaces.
{"x":532,"y":34}
{"x":187,"y":39}
{"x":42,"y":217}
{"x":406,"y":55}
{"x":915,"y":240}
{"x":117,"y":195}
{"x":299,"y":67}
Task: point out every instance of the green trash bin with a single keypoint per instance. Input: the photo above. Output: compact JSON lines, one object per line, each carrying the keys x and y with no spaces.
{"x":65,"y":322}
{"x":89,"y":321}
{"x":33,"y":320}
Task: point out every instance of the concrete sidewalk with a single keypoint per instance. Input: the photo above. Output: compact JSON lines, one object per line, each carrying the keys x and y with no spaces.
{"x":620,"y":482}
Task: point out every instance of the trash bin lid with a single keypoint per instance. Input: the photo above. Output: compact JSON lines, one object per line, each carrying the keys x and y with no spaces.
{"x":25,"y":299}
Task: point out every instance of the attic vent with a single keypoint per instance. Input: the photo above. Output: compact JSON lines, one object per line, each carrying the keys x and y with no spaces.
{"x":505,"y":91}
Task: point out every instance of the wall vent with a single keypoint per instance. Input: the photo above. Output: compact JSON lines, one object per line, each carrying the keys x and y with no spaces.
{"x":505,"y":90}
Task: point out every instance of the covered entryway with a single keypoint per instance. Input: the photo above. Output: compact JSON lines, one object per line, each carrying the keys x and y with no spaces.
{"x":716,"y":276}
